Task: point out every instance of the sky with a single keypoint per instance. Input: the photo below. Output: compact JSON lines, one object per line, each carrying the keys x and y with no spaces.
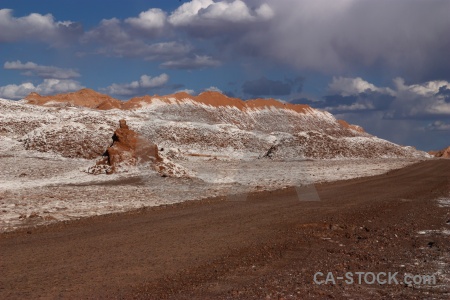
{"x":383,"y":65}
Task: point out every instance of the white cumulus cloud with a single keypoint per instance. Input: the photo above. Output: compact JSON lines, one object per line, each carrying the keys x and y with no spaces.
{"x":420,"y":100}
{"x":150,"y":21}
{"x":345,"y":86}
{"x":187,"y":12}
{"x":187,"y":91}
{"x":47,"y":87}
{"x":36,"y":27}
{"x":144,"y":84}
{"x":426,"y":89}
{"x":213,"y":89}
{"x":114,"y":39}
{"x":237,"y":11}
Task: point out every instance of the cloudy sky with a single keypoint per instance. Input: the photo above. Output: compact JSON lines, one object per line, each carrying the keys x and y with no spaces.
{"x":381,"y":64}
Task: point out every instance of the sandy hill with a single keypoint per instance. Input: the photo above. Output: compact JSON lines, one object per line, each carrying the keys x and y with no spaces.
{"x":84,"y":97}
{"x":81,"y":124}
{"x":92,"y":99}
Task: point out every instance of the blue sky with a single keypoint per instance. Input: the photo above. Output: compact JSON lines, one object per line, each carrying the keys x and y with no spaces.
{"x":379,"y":64}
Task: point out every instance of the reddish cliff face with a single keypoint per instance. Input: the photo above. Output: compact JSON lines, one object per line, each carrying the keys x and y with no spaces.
{"x":127,"y":150}
{"x":130,"y":150}
{"x":444,"y":153}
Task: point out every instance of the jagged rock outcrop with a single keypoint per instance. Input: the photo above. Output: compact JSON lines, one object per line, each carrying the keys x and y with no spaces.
{"x":130,"y":150}
{"x":444,"y":153}
{"x":271,"y":152}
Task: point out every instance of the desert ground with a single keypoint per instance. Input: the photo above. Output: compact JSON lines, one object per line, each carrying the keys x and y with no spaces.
{"x":210,"y":197}
{"x":225,"y":149}
{"x":41,"y":188}
{"x":267,"y":245}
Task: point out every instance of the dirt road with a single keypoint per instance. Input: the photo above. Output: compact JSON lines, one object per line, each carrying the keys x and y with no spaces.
{"x":267,"y":247}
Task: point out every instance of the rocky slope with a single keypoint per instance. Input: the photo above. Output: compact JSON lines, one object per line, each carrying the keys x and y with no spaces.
{"x":444,"y":153}
{"x":81,"y":124}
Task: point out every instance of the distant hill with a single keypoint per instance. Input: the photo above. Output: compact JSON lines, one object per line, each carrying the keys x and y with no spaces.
{"x":81,"y":124}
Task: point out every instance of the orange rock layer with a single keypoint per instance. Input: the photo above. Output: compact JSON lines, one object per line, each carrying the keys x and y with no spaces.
{"x":85,"y":97}
{"x":92,"y":99}
{"x":345,"y":124}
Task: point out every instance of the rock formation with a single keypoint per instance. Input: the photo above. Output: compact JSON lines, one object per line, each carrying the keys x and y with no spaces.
{"x":444,"y":153}
{"x":130,"y":150}
{"x":271,"y":152}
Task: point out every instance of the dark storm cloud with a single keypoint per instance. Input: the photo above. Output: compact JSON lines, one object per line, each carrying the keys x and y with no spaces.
{"x":405,"y":37}
{"x":264,"y":86}
{"x":304,"y":100}
{"x":268,"y":87}
{"x":363,"y":102}
{"x":229,"y":94}
{"x":191,"y":63}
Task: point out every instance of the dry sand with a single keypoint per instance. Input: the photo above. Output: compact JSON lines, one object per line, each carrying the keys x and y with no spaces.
{"x":266,"y":247}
